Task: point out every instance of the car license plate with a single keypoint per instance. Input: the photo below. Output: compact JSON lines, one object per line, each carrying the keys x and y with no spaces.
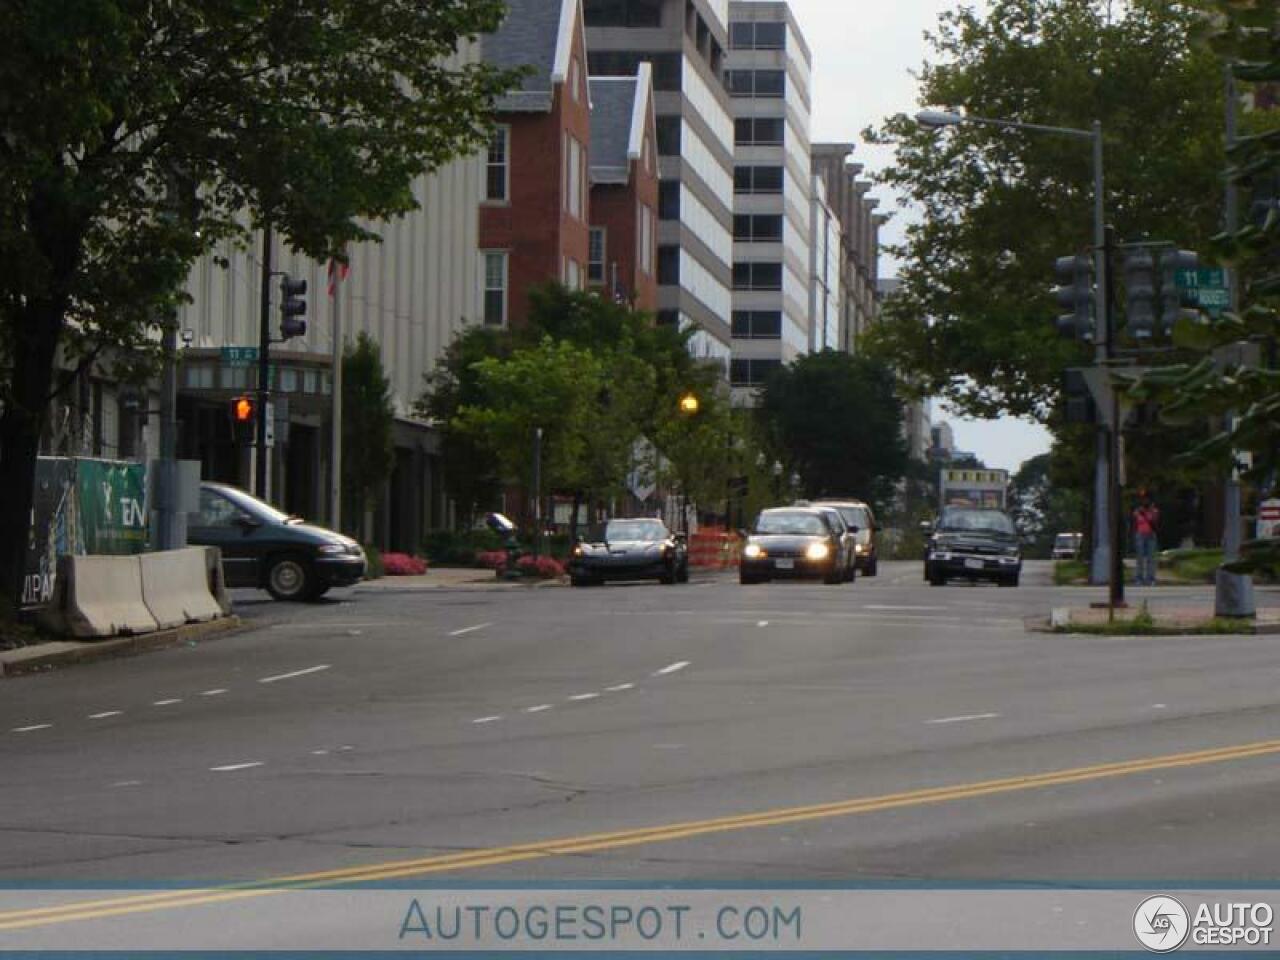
{"x":974,"y":564}
{"x":784,"y":564}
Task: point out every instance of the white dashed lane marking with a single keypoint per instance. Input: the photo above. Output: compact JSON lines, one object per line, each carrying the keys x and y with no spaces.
{"x":232,"y":767}
{"x":966,"y":718}
{"x":493,"y":719}
{"x":619,"y":687}
{"x":584,"y":696}
{"x":296,"y":673}
{"x":465,"y":630}
{"x":214,"y":693}
{"x":671,"y":668}
{"x":32,"y":727}
{"x":166,"y":703}
{"x":538,"y":709}
{"x":106,"y":713}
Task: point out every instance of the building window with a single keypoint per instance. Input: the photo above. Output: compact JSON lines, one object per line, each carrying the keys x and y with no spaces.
{"x":595,"y":256}
{"x":757,"y":228}
{"x":669,"y":265}
{"x":757,"y":36}
{"x":668,"y":318}
{"x":573,"y":80}
{"x":495,"y":289}
{"x":645,"y":238}
{"x":757,"y":324}
{"x":623,"y":13}
{"x":759,"y":131}
{"x":756,"y":83}
{"x":757,"y":179}
{"x":574,"y":162}
{"x":669,"y":136}
{"x":751,"y":373}
{"x":668,"y":68}
{"x":757,"y":276}
{"x":572,"y":274}
{"x":498,"y":165}
{"x":669,"y":200}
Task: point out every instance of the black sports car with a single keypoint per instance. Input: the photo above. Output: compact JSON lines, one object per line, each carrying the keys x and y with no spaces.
{"x":969,"y":543}
{"x":630,"y":550}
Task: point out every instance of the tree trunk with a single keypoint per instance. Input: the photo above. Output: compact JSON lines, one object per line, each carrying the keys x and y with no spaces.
{"x":38,"y":328}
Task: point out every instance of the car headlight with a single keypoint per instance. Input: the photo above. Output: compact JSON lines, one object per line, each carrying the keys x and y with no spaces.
{"x":577,"y":550}
{"x":753,"y":550}
{"x":332,"y":549}
{"x":817,"y":551}
{"x":859,"y":548}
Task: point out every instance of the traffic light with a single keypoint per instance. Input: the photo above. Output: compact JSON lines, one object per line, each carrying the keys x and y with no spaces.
{"x":1075,"y":293}
{"x":1140,"y":293}
{"x":1176,"y":301}
{"x":292,"y":307}
{"x":1078,"y":405}
{"x":244,"y":417}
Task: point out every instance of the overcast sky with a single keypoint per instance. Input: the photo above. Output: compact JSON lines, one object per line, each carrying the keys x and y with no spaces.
{"x":864,"y":53}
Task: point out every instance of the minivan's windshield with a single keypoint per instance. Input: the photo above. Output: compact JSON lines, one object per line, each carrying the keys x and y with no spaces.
{"x":969,"y":520}
{"x":799,"y":524}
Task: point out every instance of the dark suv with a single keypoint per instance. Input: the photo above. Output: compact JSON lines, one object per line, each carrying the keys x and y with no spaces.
{"x":972,"y":543}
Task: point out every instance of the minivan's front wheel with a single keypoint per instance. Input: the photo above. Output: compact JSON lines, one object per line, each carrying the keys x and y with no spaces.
{"x":289,"y":578}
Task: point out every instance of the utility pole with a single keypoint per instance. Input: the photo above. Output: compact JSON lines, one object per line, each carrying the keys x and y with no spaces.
{"x":264,"y":369}
{"x":1101,"y":567}
{"x":335,"y":482}
{"x":1233,"y":592}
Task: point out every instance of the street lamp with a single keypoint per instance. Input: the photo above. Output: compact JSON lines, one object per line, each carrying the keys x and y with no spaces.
{"x":1105,"y":566}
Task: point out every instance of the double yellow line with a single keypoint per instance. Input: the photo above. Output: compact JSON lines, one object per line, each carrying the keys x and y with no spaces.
{"x":597,"y":842}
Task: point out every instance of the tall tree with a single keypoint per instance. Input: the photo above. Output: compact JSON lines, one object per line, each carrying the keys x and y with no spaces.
{"x":138,"y":135}
{"x":367,"y":418}
{"x":837,"y":420}
{"x":973,"y":320}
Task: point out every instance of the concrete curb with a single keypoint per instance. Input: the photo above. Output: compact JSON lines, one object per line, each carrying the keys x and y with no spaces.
{"x":1166,"y":629}
{"x":482,"y":581}
{"x":60,"y":653}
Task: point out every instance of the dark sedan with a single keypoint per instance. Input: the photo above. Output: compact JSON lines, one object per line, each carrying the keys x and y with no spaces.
{"x":792,"y":542}
{"x":264,"y":548}
{"x":630,"y":550}
{"x":969,"y":543}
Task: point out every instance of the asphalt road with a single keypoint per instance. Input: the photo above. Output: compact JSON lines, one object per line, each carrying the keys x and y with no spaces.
{"x":781,"y":732}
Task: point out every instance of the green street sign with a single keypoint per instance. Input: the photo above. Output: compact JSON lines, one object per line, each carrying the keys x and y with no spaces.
{"x":239,"y":356}
{"x":1211,"y":277}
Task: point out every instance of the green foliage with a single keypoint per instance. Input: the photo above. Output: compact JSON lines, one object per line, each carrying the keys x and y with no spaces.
{"x":139,"y":136}
{"x":373,"y":569}
{"x":459,"y":548}
{"x":1042,"y":508}
{"x":972,"y":322}
{"x":837,"y":421}
{"x":1070,"y":572}
{"x":367,"y":418}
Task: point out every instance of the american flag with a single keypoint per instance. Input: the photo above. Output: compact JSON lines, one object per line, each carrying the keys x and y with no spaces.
{"x":337,"y":271}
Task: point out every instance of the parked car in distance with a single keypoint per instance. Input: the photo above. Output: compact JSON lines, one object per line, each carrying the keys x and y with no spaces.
{"x":792,"y":542}
{"x":973,"y":543}
{"x":1066,"y":546}
{"x":859,"y":515}
{"x":265,"y":548}
{"x":630,"y":549}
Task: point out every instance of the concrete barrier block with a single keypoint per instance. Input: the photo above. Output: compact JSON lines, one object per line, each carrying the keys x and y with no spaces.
{"x":217,"y":578}
{"x":99,"y":597}
{"x":175,"y":587}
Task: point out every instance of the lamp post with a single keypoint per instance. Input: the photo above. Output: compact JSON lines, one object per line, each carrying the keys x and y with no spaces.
{"x":1105,"y":563}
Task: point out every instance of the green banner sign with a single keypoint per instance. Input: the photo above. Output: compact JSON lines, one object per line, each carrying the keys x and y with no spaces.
{"x":113,"y":506}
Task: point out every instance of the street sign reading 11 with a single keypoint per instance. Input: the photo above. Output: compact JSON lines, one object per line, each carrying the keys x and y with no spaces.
{"x":1209,"y":285}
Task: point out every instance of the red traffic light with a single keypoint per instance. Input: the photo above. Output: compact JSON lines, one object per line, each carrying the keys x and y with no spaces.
{"x":243,"y":409}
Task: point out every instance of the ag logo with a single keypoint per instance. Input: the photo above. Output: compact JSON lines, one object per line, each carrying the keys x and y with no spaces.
{"x":1161,"y":924}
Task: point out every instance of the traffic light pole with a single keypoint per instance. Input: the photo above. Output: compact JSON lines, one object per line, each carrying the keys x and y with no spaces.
{"x":264,"y":370}
{"x":1101,"y":568}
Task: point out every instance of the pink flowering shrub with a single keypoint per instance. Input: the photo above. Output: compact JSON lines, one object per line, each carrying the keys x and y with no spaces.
{"x":546,"y":568}
{"x":403,"y":565}
{"x":491,"y":559}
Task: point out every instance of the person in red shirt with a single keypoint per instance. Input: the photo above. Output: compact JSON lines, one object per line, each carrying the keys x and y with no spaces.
{"x":1146,"y":526}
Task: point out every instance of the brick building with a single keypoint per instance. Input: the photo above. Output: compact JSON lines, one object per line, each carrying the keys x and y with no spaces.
{"x":533,"y":213}
{"x":624,"y":190}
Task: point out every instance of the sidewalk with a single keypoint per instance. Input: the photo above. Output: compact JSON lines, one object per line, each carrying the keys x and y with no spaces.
{"x":454,"y":578}
{"x":58,"y":653}
{"x":1172,"y":620}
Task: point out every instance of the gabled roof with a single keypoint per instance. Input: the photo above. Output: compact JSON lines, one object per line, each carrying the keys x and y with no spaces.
{"x":619,"y":111}
{"x":538,"y":34}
